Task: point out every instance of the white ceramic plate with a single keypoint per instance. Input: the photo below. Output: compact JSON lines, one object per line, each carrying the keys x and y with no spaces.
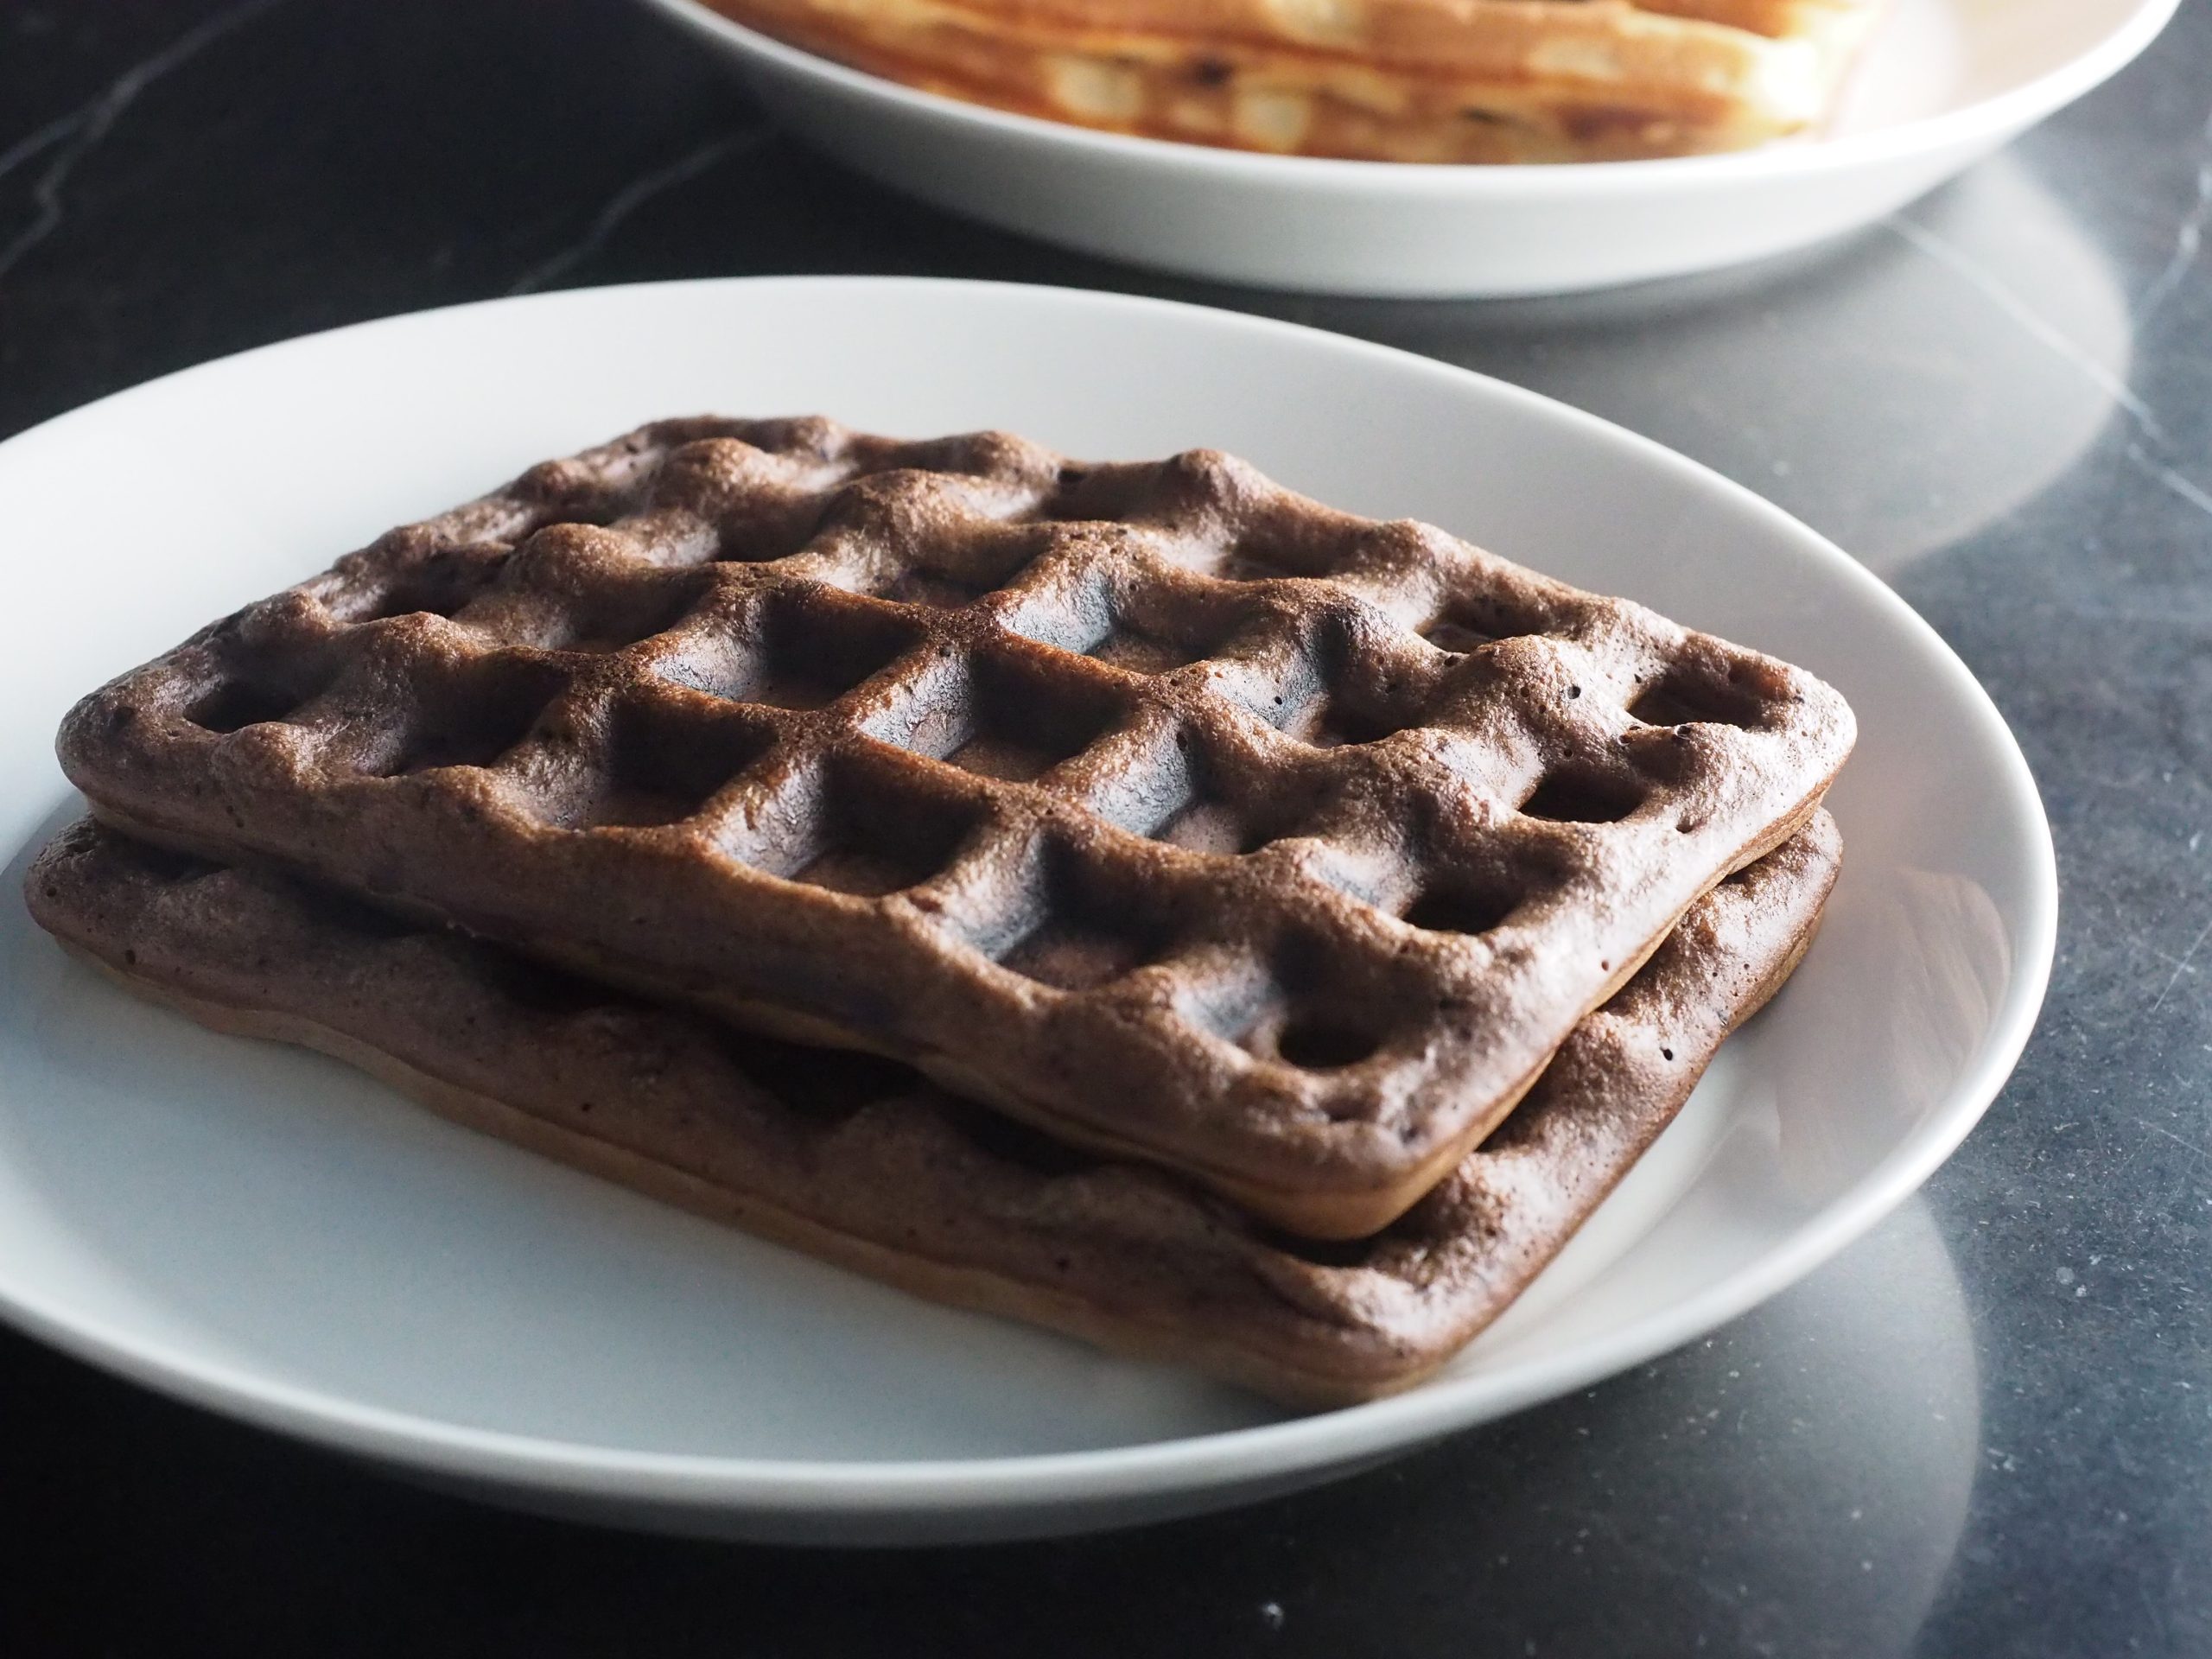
{"x":1946,"y":82}
{"x":270,"y":1235}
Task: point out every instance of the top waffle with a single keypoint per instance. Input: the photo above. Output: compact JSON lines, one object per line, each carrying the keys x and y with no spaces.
{"x":1176,"y":813}
{"x":1402,"y":81}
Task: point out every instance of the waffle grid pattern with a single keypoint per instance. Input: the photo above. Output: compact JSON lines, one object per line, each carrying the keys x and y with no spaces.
{"x":1152,"y":801}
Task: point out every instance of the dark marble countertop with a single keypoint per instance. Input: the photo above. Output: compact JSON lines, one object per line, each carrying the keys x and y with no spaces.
{"x":1985,"y":1429}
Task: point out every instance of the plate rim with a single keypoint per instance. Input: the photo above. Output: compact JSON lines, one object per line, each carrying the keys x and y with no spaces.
{"x":774,"y":1486}
{"x":1992,"y":119}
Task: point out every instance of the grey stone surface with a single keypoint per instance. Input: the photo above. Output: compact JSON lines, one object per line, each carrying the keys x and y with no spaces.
{"x":1987,"y":1429}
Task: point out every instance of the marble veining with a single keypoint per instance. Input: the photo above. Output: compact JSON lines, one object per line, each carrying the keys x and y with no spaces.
{"x":66,"y":140}
{"x":629,"y":198}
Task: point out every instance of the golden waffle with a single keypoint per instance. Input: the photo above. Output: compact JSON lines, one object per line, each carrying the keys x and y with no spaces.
{"x":1178,"y":814}
{"x":1397,"y":80}
{"x":863,"y":1163}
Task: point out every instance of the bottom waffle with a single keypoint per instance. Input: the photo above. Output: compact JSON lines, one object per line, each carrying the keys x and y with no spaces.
{"x":865,"y":1164}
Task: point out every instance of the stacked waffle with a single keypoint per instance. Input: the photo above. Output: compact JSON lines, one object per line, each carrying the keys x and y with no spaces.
{"x":1395,"y":80}
{"x":1131,"y":897}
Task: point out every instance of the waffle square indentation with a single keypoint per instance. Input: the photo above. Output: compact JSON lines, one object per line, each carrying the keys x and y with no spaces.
{"x":439,"y":585}
{"x":999,"y":714}
{"x":1083,"y":925}
{"x":1583,"y":795}
{"x":1329,"y":693}
{"x":620,"y":614}
{"x":1122,"y":615}
{"x":854,"y":826}
{"x":799,"y":648}
{"x":236,"y":703}
{"x":1684,"y":696}
{"x":472,"y":718}
{"x":661,"y":763}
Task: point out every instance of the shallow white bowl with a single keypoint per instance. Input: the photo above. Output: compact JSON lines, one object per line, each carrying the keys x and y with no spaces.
{"x":275,"y":1237}
{"x":1946,"y":82}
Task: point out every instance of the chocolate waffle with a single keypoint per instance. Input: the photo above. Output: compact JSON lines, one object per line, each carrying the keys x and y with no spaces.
{"x":1187,"y":818}
{"x":1396,"y":80}
{"x":865,"y":1164}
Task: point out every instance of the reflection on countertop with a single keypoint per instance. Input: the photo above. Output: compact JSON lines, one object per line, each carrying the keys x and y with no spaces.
{"x":1796,"y":1483}
{"x":1897,"y":392}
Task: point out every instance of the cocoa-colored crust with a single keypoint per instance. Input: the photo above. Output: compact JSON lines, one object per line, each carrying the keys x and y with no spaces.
{"x":1175,"y":813}
{"x":865,"y":1163}
{"x":1390,"y":80}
